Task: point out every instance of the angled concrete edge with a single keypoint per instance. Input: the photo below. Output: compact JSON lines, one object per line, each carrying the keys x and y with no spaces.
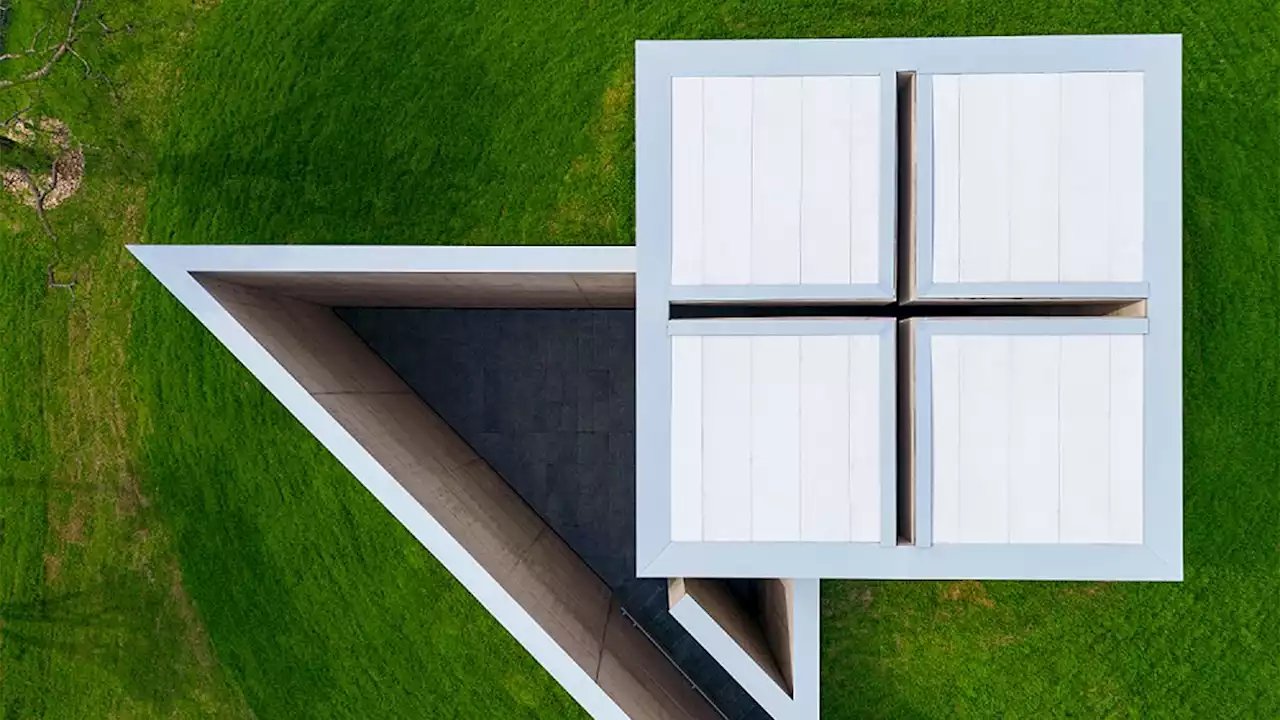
{"x":173,"y":267}
{"x":802,"y":702}
{"x":386,"y":258}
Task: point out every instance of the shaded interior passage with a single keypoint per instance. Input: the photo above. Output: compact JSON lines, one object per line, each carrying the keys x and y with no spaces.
{"x":547,"y":398}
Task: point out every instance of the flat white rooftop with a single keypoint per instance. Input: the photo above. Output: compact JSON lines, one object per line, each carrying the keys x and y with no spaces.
{"x":906,"y":191}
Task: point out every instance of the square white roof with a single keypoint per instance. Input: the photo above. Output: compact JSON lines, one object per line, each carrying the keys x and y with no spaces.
{"x":1042,"y":169}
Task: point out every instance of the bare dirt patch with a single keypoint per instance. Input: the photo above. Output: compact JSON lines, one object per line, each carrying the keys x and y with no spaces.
{"x":62,"y":180}
{"x":970,"y":591}
{"x":129,"y":498}
{"x":197,"y":639}
{"x":52,"y":568}
{"x":71,"y":532}
{"x":1091,"y":590}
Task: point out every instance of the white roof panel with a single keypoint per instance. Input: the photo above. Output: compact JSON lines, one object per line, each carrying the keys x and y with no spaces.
{"x":776,"y":437}
{"x":776,"y":180}
{"x":1038,"y":177}
{"x":1037,"y":438}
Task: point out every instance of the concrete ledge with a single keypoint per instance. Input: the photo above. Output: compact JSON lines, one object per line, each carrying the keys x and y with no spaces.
{"x":905,"y":562}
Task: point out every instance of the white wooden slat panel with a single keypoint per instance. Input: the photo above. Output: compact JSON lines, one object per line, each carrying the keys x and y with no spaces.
{"x":864,"y":438}
{"x":775,"y":181}
{"x":1084,"y":402}
{"x":726,"y":438}
{"x":1084,"y":255}
{"x":864,"y":183}
{"x":984,"y":439}
{"x":824,"y":204}
{"x":824,"y":438}
{"x":946,"y":178}
{"x":1125,"y":226}
{"x":984,"y":178}
{"x":1038,"y":177}
{"x":726,"y":241}
{"x":686,"y":438}
{"x":1033,"y":440}
{"x":946,"y":438}
{"x":1126,"y":441}
{"x":1033,"y":206}
{"x":686,"y":181}
{"x":775,"y":438}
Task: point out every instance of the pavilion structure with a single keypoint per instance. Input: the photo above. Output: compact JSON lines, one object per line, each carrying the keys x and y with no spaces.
{"x":897,"y":309}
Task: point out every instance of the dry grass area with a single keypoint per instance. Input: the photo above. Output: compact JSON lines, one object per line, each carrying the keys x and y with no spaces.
{"x":94,"y":619}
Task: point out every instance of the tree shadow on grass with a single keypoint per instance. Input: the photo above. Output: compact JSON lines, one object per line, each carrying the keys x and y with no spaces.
{"x":345,"y":142}
{"x":126,"y":624}
{"x":247,"y":603}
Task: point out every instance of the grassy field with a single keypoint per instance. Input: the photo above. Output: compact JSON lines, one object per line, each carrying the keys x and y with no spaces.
{"x":172,"y":543}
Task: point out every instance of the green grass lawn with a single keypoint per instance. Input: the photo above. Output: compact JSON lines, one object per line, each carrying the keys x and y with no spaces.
{"x":173,"y":543}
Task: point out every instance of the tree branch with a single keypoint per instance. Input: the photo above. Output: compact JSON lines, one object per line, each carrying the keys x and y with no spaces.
{"x":88,"y":71}
{"x":35,"y":39}
{"x":52,"y":282}
{"x":39,"y":196}
{"x":15,"y":116}
{"x":31,"y":49}
{"x":62,"y":49}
